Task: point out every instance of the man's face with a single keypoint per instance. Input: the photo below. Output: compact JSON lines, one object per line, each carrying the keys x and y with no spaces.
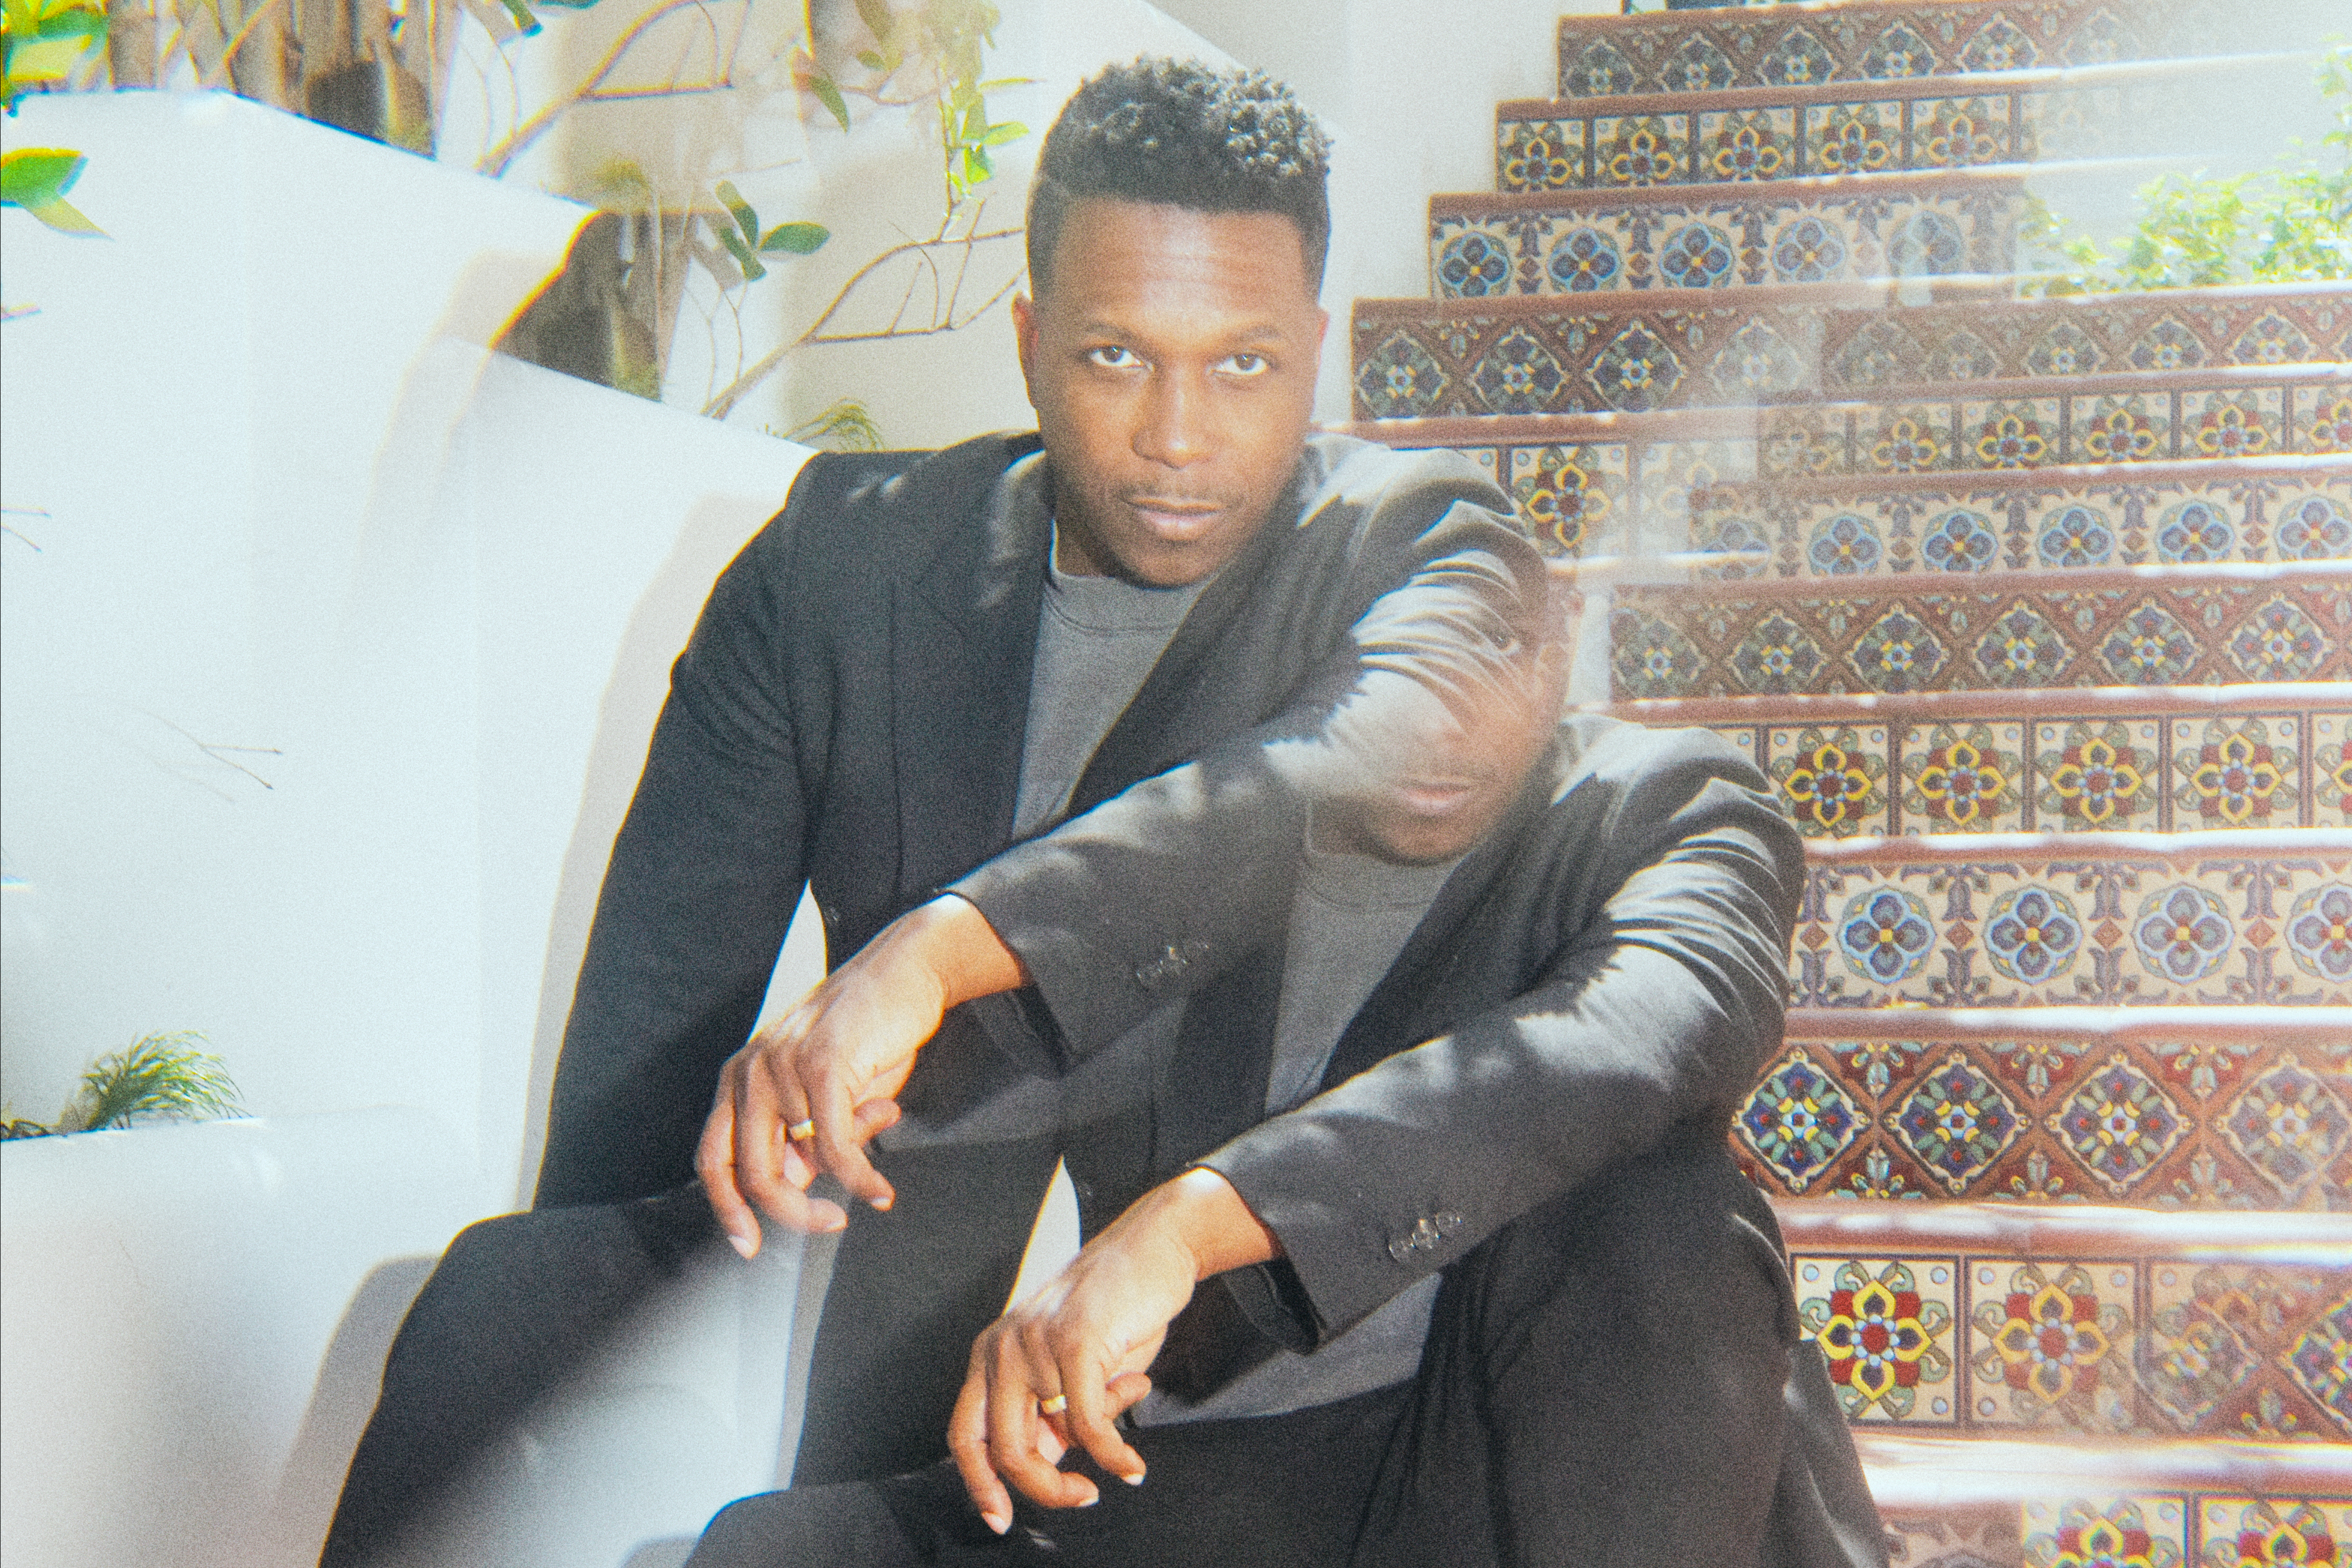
{"x":1438,"y":773}
{"x":1172,"y":363}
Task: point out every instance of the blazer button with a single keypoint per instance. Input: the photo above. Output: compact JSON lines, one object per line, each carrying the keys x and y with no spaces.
{"x":1171,"y":964}
{"x":1423,"y":1239}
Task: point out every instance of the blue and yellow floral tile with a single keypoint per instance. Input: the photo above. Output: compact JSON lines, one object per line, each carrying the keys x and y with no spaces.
{"x":2273,"y":929}
{"x":1667,"y":642}
{"x":2187,"y":517}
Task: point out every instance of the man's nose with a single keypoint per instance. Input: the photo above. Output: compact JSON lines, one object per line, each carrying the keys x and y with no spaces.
{"x":1173,"y":432}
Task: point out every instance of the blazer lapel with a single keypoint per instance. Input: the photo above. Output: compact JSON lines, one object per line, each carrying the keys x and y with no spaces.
{"x":964,"y":635}
{"x":1176,"y":714}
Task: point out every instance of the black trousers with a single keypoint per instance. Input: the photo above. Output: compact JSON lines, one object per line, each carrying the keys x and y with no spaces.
{"x":1613,"y":1378}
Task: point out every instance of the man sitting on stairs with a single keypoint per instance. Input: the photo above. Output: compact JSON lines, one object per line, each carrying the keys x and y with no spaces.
{"x":1428,"y":1247}
{"x":835,"y":718}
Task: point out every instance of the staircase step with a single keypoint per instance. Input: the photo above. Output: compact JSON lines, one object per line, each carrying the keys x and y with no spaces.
{"x":2113,"y":760}
{"x":2029,"y":921}
{"x":1839,"y":229}
{"x":2316,"y":1031}
{"x":1686,"y":51}
{"x":1904,"y":1103}
{"x":1844,"y":127}
{"x":1995,"y":631}
{"x":1588,"y":482}
{"x":2154,"y":1326}
{"x":1949,"y":1503}
{"x":2286,"y":509}
{"x":1739,"y":348}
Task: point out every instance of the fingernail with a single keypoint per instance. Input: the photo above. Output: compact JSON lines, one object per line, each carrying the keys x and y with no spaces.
{"x":1134,"y":1481}
{"x":742,"y":1244}
{"x":996,"y":1522}
{"x":1091,"y":1500}
{"x":883,"y":1204}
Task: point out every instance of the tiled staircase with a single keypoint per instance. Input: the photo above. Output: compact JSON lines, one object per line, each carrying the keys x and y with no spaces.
{"x":2038,"y":614}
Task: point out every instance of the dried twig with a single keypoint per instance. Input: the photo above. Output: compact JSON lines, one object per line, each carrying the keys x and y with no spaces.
{"x":592,"y":90}
{"x":942,"y":320}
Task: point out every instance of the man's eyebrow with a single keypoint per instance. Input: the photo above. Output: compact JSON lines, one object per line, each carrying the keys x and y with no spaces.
{"x":1266,"y":332}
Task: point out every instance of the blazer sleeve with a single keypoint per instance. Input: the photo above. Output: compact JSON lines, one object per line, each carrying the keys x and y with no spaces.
{"x":1150,"y":895}
{"x":702,"y":882}
{"x":1655,"y":1012}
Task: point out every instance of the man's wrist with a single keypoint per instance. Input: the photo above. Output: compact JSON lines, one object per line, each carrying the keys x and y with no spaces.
{"x":1213,"y":1225}
{"x":962,"y":950}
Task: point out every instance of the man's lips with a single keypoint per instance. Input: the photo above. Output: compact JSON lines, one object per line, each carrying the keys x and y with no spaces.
{"x":1436,"y":796}
{"x":1174,"y":514}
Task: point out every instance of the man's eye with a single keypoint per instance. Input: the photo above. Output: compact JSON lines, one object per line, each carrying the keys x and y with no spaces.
{"x":1246,"y":365}
{"x":1113,"y":357}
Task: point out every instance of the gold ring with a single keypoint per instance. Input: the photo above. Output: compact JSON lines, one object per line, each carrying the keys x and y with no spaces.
{"x":1054,"y":1406}
{"x":800,"y":1130}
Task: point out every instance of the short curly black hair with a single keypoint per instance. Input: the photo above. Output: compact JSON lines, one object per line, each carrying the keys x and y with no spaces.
{"x":1186,"y":134}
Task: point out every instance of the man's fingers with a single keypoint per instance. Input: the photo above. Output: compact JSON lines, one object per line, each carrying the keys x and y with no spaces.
{"x":1016,"y":1385}
{"x":968,"y":1442}
{"x":1088,"y":1418}
{"x":760,"y":1118}
{"x":714,"y":1162}
{"x":839,"y":1145}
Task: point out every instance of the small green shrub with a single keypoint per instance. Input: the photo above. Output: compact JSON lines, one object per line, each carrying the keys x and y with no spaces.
{"x":161,"y":1075}
{"x":2291,"y":224}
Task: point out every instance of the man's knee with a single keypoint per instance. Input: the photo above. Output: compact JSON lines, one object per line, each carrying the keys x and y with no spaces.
{"x":842,"y":1526}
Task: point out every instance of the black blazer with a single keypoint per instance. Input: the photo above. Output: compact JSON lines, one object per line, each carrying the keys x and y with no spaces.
{"x":1603,"y":975}
{"x":850,"y":712}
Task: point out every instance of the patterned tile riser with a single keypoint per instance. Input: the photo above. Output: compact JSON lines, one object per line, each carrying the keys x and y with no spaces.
{"x":2004,"y":1346}
{"x":1462,"y":363}
{"x":2116,"y":523}
{"x":1746,"y":235}
{"x":1727,"y":354}
{"x":2107,"y":932}
{"x":1607,"y":497}
{"x":1638,"y":496}
{"x":2112,"y":335}
{"x":1931,"y":637}
{"x":2121,"y":773}
{"x":1595,"y":149}
{"x":2088,"y":425}
{"x":2187,"y":1124}
{"x":2155,"y":1528}
{"x":1698,"y":50}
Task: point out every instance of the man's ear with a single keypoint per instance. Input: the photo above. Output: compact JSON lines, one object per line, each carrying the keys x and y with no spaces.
{"x":1025,"y":341}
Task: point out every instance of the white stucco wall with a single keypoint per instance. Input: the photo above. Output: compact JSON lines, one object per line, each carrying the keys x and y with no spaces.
{"x":332,"y":642}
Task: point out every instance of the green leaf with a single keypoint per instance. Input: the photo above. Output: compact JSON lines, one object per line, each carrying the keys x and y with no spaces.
{"x":36,"y":177}
{"x":830,"y":96}
{"x":1007,"y":81}
{"x":998,"y":135}
{"x":45,"y":59}
{"x":66,"y":218}
{"x":877,"y":18}
{"x":870,"y":59}
{"x":732,"y":199}
{"x":798,"y":239}
{"x":524,"y":19}
{"x":752,"y":271}
{"x":74,"y":23}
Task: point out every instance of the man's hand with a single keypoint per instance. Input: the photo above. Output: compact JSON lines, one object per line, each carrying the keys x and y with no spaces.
{"x":829,"y":1070}
{"x":1085,"y":1339}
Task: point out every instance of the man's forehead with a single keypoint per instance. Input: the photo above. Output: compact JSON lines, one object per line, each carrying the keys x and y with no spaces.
{"x":1163,"y":236}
